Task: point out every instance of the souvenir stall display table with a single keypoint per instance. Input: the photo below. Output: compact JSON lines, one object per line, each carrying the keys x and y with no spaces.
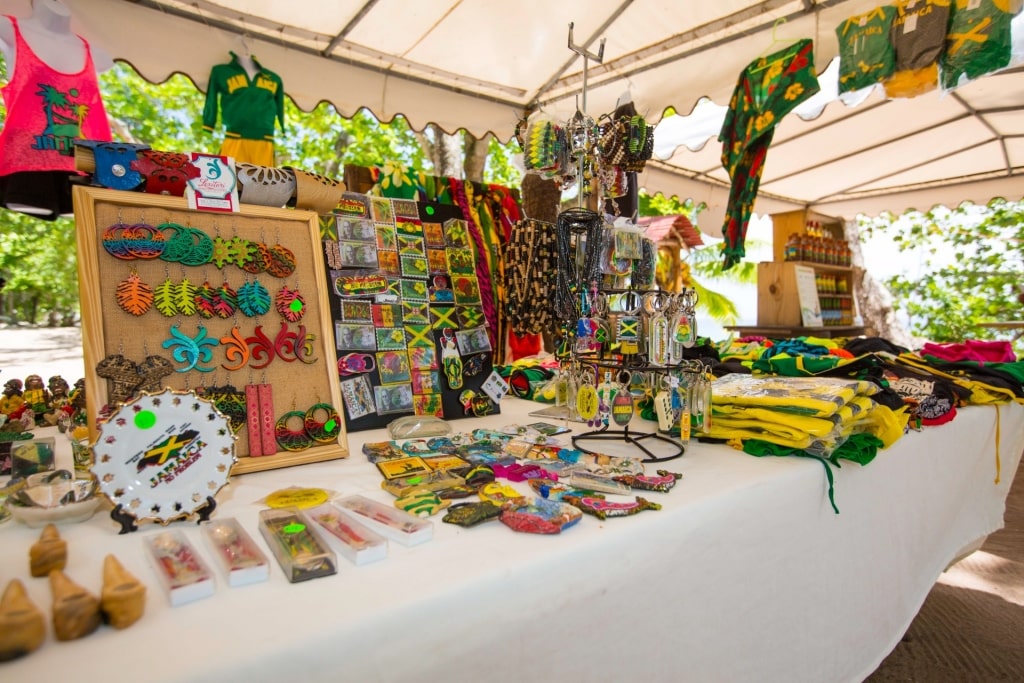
{"x":740,"y":576}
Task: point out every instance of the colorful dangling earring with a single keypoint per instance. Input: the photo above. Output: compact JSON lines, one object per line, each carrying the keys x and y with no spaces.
{"x":324,"y":431}
{"x":133,"y":295}
{"x":253,"y":299}
{"x":290,"y":304}
{"x":292,"y":439}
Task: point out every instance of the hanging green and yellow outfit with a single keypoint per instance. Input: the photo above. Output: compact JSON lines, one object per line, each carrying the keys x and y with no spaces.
{"x":768,"y":89}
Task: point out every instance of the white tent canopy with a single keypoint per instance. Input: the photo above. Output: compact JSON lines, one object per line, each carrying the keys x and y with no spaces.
{"x":479,"y":64}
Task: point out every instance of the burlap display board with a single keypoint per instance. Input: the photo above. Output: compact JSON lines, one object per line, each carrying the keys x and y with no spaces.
{"x":295,"y":358}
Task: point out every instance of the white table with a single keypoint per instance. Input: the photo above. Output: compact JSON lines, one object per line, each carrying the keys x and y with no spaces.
{"x":744,"y":575}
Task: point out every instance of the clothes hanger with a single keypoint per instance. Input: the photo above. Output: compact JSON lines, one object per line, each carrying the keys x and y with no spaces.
{"x":772,"y":47}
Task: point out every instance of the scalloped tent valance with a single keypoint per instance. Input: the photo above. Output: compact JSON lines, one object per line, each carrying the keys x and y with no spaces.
{"x":479,"y":64}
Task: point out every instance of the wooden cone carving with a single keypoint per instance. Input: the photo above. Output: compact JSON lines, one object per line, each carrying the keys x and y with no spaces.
{"x":123,"y":598}
{"x":76,"y":611}
{"x":22,"y":627}
{"x":48,"y":553}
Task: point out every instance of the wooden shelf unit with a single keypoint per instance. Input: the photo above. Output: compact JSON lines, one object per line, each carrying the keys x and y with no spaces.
{"x":778,"y":305}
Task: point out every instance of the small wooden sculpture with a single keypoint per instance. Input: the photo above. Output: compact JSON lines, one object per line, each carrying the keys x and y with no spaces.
{"x":76,"y":611}
{"x":48,"y":553}
{"x":22,"y":626}
{"x":123,"y":598}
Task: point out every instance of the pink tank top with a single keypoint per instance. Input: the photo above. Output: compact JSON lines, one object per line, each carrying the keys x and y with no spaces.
{"x":46,"y":111}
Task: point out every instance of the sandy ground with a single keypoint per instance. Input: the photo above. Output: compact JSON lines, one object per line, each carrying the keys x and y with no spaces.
{"x":44,"y":351}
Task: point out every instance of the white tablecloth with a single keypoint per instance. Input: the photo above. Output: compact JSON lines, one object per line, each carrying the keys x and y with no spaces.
{"x":746,"y":574}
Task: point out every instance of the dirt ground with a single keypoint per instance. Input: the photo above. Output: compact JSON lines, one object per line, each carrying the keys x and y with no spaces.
{"x":44,"y":351}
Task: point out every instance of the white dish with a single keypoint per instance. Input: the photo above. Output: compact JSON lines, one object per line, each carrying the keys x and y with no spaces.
{"x":162,"y":455}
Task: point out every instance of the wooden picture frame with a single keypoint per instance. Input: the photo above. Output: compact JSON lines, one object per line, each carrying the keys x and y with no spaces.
{"x":299,"y":363}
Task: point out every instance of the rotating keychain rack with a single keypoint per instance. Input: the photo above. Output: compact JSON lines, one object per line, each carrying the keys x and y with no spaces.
{"x":582,"y":302}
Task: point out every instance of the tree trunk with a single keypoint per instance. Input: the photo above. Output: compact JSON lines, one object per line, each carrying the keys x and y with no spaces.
{"x":476,"y":156}
{"x":874,"y":302}
{"x":444,"y":151}
{"x":333,"y":166}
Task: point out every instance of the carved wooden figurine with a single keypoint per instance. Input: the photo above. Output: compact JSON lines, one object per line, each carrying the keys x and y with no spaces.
{"x":48,"y":553}
{"x":22,"y":626}
{"x":123,"y":598}
{"x":76,"y":611}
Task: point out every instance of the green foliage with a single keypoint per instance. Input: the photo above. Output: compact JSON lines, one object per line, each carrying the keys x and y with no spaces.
{"x":705,"y":263}
{"x":38,"y":259}
{"x":973,"y":268}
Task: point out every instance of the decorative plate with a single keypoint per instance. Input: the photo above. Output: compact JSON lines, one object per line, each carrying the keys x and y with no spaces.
{"x":161,"y":455}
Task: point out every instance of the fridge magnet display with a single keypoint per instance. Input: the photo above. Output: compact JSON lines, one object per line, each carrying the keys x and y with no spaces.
{"x":389,"y":263}
{"x":437,"y":260}
{"x":358,"y":254}
{"x":411,"y":245}
{"x":539,"y":516}
{"x":473,"y":341}
{"x":231,"y":294}
{"x":405,"y":208}
{"x":414,"y":266}
{"x":394,"y":398}
{"x":393,"y":367}
{"x":403,"y":467}
{"x":456,"y":233}
{"x":356,"y":229}
{"x":414,"y":290}
{"x":425,"y":382}
{"x":382,"y":210}
{"x":359,"y":337}
{"x":433,"y":234}
{"x":422,"y":357}
{"x":415,"y":313}
{"x":419,"y":336}
{"x":407,"y":226}
{"x":428,"y":404}
{"x":358,"y":397}
{"x":390,"y":338}
{"x":440,"y":290}
{"x":355,"y":283}
{"x":356,"y":312}
{"x":385,"y":315}
{"x":384,"y":234}
{"x":467,"y":290}
{"x":443,"y":317}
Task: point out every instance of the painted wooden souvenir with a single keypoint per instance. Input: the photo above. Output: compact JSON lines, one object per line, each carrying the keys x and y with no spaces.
{"x":539,"y":516}
{"x":499,"y":493}
{"x":603,"y":509}
{"x":663,"y":482}
{"x":422,"y":503}
{"x":471,"y":514}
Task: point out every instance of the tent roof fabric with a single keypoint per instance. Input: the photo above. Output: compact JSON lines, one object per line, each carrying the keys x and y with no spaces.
{"x":480,"y":64}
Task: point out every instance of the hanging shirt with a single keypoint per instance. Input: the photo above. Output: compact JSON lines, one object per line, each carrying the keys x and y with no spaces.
{"x":248,"y":107}
{"x":768,"y":89}
{"x":46,"y":111}
{"x":865,"y":54}
{"x":918,"y":35}
{"x":978,"y":41}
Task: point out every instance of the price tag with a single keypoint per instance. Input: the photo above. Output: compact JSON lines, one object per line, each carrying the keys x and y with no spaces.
{"x":216,"y":188}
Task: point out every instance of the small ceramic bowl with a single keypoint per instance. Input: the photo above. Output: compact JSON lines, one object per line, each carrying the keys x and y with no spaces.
{"x":69,"y":513}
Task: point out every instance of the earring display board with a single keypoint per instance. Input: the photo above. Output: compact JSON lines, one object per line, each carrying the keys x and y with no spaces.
{"x":230,"y":306}
{"x":409,"y":327}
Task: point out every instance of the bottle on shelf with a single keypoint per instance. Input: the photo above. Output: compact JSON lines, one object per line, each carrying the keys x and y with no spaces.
{"x":793,"y":249}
